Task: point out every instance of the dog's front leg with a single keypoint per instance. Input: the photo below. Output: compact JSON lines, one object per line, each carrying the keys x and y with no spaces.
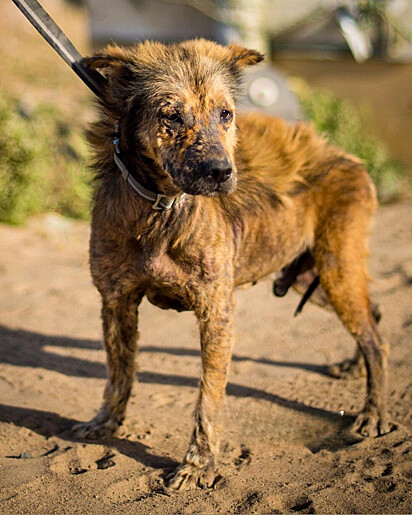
{"x":198,"y":467}
{"x":119,"y":316}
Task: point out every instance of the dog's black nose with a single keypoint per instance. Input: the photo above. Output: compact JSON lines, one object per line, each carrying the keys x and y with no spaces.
{"x":218,"y":170}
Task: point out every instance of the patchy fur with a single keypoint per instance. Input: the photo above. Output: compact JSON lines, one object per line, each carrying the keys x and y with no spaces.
{"x":260,"y":193}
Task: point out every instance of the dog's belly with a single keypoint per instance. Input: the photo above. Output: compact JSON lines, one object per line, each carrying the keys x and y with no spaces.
{"x":269,"y":269}
{"x":269,"y":243}
{"x":269,"y":260}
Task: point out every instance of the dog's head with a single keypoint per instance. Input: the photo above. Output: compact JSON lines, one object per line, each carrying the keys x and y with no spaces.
{"x":177,"y":103}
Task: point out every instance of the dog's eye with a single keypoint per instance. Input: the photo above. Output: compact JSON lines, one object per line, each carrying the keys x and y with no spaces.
{"x":174,"y":117}
{"x":225,"y":115}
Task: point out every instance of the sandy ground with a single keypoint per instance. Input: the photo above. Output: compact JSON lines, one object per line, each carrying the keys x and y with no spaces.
{"x":286,"y":448}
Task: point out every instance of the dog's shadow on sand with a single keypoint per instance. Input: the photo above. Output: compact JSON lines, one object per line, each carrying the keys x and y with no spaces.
{"x":50,"y":424}
{"x":26,"y":348}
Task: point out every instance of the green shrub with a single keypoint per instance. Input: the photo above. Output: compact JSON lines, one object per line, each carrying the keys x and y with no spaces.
{"x":42,"y":164}
{"x":346,"y":128}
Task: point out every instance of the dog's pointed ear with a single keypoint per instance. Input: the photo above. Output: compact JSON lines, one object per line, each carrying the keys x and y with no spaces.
{"x":114,"y":63}
{"x":109,"y":61}
{"x":242,"y":57}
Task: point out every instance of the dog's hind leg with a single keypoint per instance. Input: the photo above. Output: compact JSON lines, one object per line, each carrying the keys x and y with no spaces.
{"x":351,"y":302}
{"x":340,"y":254}
{"x":198,"y":467}
{"x":119,"y":316}
{"x":350,"y":367}
{"x":354,"y":367}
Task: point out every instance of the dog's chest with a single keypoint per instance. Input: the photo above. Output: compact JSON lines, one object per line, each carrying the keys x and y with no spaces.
{"x":167,"y":284}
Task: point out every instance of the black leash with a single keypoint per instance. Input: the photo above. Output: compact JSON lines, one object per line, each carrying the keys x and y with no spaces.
{"x":56,"y":38}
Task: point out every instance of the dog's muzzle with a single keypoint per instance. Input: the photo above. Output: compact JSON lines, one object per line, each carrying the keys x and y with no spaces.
{"x":209,"y":178}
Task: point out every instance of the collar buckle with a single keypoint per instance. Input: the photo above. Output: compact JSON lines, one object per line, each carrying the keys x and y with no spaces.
{"x":157,"y":207}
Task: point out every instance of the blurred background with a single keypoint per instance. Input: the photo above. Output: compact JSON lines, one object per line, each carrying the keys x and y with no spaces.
{"x":345,"y":65}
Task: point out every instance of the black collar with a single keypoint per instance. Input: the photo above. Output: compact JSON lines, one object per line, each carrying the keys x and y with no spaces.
{"x":160,"y":202}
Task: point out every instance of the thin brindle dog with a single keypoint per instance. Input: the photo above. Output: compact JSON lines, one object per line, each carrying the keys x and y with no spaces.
{"x":241,"y":197}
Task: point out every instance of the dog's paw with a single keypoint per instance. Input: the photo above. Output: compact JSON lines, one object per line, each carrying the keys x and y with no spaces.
{"x":95,"y":429}
{"x":346,"y":369}
{"x":370,"y":424}
{"x":187,"y":477}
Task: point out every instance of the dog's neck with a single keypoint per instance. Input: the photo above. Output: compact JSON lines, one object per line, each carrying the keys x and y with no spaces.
{"x":140,"y":174}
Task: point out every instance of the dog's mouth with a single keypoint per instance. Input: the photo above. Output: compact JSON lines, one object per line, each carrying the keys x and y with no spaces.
{"x":207,"y":188}
{"x":226,"y":187}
